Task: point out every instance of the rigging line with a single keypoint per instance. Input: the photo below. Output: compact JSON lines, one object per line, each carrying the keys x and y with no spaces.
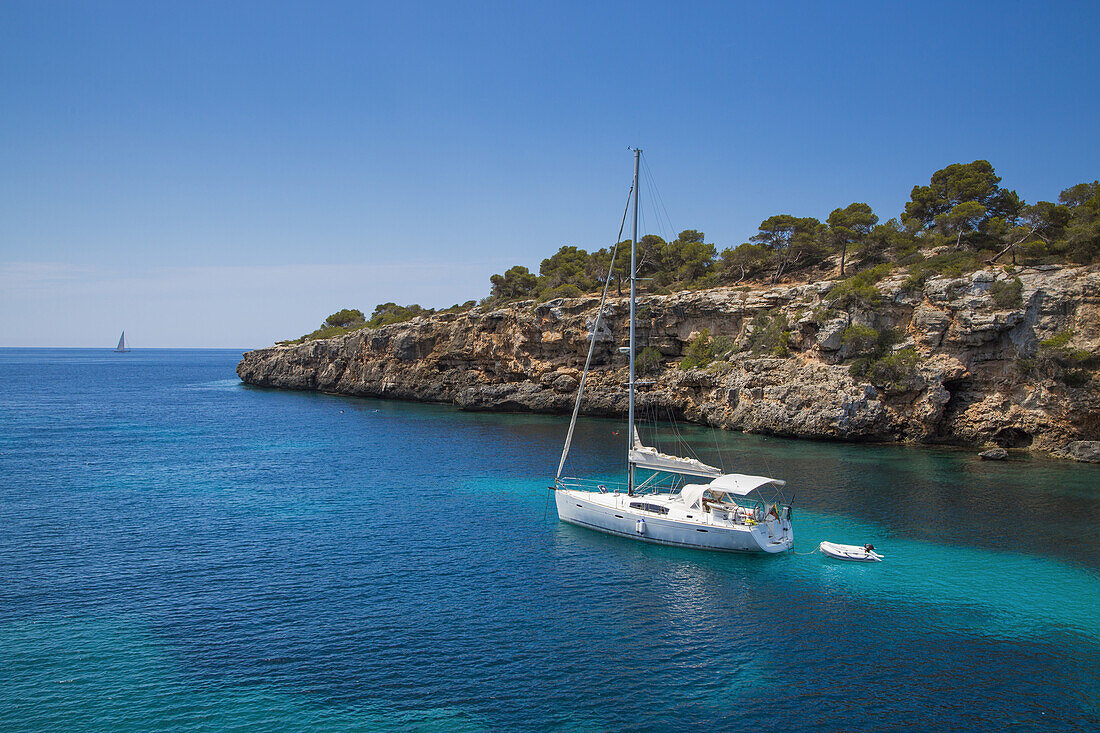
{"x":652,"y":417}
{"x":682,"y":447}
{"x":658,"y":198}
{"x":767,"y":463}
{"x":688,"y":446}
{"x":717,"y":447}
{"x":678,"y":443}
{"x":659,"y":225}
{"x":592,"y":340}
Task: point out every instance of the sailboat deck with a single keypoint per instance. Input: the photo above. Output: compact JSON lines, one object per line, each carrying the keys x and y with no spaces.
{"x":748,"y":513}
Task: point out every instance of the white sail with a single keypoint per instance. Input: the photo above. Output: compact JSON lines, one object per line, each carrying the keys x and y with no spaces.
{"x":121,"y":343}
{"x":653,"y":460}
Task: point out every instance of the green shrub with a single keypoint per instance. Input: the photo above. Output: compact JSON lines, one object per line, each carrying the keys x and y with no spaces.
{"x":1056,"y":358}
{"x":894,"y":372}
{"x":331,"y":331}
{"x":1057,"y":349}
{"x":703,"y":349}
{"x":1007,"y":293}
{"x":859,"y":289}
{"x":460,"y":307}
{"x":859,"y":367}
{"x":698,"y":353}
{"x":771,"y":334}
{"x":1056,"y":343}
{"x":722,"y":346}
{"x":945,"y":264}
{"x":822,"y":315}
{"x":860,"y":339}
{"x":905,"y":259}
{"x":567,"y":290}
{"x":345,"y":318}
{"x":386,"y":314}
{"x":1076,"y":377}
{"x":648,"y":361}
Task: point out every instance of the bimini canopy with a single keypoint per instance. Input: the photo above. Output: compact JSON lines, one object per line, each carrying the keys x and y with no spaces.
{"x":741,"y":484}
{"x":737,"y":484}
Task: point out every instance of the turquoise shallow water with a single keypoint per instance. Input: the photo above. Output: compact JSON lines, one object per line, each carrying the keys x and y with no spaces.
{"x":178,"y":550}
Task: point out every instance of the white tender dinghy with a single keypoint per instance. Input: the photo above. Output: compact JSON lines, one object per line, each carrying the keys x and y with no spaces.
{"x":850,"y":552}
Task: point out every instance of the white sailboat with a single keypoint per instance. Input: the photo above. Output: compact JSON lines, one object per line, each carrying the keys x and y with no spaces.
{"x":121,"y":348}
{"x":729,"y":512}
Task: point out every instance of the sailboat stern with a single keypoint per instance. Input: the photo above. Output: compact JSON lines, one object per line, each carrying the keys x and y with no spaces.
{"x":774,"y":535}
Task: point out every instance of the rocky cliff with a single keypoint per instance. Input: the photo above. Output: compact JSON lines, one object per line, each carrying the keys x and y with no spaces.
{"x":973,"y":373}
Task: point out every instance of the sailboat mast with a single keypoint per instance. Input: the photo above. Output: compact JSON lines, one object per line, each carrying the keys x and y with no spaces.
{"x":633,"y":293}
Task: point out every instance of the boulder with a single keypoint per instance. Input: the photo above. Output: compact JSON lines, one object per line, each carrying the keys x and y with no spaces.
{"x":564,"y":384}
{"x":830,"y":336}
{"x":993,"y":454}
{"x":1086,"y":451}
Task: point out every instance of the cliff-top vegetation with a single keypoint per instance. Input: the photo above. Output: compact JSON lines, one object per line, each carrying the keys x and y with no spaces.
{"x":961,"y":221}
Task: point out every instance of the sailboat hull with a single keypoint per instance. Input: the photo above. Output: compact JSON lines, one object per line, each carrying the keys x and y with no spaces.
{"x":612,"y":514}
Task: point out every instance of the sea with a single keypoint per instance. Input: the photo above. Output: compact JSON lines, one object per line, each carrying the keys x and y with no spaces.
{"x":180,"y":551}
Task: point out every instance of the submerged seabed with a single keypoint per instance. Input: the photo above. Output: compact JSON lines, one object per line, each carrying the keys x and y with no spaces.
{"x":178,"y":550}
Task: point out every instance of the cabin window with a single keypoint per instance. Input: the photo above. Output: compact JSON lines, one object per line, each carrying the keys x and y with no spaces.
{"x":655,"y":508}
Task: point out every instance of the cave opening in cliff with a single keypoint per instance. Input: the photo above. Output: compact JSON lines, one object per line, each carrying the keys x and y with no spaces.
{"x":1013,"y":438}
{"x":959,"y":397}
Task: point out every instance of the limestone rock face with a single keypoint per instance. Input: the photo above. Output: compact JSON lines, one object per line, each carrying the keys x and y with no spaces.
{"x":975,"y":381}
{"x":828,"y":338}
{"x":1087,"y":451}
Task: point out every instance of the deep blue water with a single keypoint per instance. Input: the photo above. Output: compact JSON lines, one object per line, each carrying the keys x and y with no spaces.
{"x":178,"y":550}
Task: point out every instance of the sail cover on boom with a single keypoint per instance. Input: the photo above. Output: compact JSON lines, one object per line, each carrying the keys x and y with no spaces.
{"x":653,"y":460}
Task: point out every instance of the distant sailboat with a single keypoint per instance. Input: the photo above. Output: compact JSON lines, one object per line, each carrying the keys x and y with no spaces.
{"x":121,"y":348}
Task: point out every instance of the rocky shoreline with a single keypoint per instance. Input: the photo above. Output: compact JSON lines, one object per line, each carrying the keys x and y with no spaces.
{"x":977,"y":373}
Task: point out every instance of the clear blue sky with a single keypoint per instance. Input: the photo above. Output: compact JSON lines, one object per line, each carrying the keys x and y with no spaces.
{"x":226,"y":174}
